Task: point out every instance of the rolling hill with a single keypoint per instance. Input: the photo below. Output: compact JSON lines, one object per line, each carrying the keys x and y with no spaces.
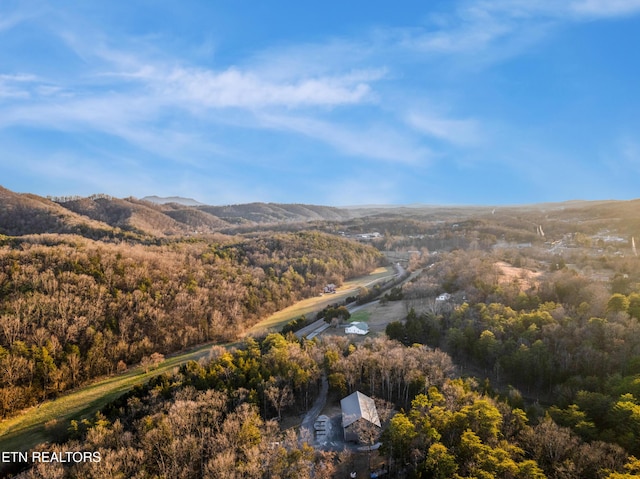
{"x":102,"y":216}
{"x":99,"y":216}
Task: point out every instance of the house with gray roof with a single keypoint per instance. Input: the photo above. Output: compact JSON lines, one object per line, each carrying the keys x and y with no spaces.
{"x":357,"y":407}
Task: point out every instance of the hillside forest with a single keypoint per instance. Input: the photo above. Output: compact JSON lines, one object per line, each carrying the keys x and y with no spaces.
{"x":517,"y":354}
{"x":72,"y":308}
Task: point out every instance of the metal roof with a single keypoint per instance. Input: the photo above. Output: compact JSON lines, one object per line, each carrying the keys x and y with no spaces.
{"x":358,"y":406}
{"x":359,"y":325}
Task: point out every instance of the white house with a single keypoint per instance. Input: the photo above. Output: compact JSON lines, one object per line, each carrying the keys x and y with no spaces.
{"x":444,"y":297}
{"x":357,"y":328}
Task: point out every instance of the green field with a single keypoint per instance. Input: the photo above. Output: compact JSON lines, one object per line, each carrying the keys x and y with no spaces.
{"x":24,"y":431}
{"x":311,"y":305}
{"x":361,"y":316}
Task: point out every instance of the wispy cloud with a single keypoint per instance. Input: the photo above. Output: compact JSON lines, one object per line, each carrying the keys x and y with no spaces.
{"x":9,"y":21}
{"x":132,"y":119}
{"x":131,"y":98}
{"x":458,"y":132}
{"x":18,"y":78}
{"x":234,"y":88}
{"x":266,"y":82}
{"x":606,"y":8}
{"x":496,"y":27}
{"x":164,"y":105}
{"x":390,"y":96}
{"x":472,"y":28}
{"x":16,"y":85}
{"x":372,"y":142}
{"x":318,"y":59}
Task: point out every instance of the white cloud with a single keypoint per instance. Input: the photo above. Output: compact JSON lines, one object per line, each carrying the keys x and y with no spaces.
{"x":9,"y":92}
{"x":18,"y":78}
{"x":377,"y":142}
{"x":606,"y":8}
{"x":271,"y":80}
{"x":472,"y":28}
{"x":312,"y":59}
{"x":128,"y":92}
{"x":15,"y":86}
{"x":458,"y":132}
{"x":124,"y":95}
{"x":234,"y":88}
{"x":502,"y":28}
{"x":131,"y":119}
{"x":538,"y":9}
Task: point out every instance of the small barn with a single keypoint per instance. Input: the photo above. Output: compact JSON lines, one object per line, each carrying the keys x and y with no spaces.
{"x":357,"y":328}
{"x":357,"y":407}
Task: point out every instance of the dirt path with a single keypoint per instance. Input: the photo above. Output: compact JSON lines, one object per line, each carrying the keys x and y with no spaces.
{"x":306,"y":428}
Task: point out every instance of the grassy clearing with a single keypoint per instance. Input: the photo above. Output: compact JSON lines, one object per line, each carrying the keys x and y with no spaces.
{"x":28,"y":429}
{"x":311,"y":305}
{"x":361,"y":316}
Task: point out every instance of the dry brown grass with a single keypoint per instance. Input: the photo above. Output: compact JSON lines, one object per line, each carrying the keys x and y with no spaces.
{"x":525,"y":278}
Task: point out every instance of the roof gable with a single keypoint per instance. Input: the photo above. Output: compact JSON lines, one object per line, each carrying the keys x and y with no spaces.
{"x":358,"y":406}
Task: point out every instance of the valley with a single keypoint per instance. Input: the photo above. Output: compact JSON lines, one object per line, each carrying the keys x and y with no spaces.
{"x":479,"y":333}
{"x":42,"y":422}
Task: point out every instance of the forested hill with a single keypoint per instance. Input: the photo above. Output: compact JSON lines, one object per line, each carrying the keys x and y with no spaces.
{"x":276,"y":213}
{"x":24,"y":214}
{"x":102,"y":216}
{"x":72,"y":308}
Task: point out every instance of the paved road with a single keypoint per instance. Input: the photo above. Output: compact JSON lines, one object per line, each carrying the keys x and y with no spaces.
{"x":312,"y":330}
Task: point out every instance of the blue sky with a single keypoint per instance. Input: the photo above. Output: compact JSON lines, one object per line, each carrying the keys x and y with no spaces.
{"x":337,"y":103}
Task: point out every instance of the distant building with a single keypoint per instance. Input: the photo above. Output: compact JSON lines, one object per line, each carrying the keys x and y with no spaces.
{"x":357,"y":328}
{"x":368,"y":236}
{"x":444,"y":297}
{"x":355,"y":408}
{"x":330,"y":288}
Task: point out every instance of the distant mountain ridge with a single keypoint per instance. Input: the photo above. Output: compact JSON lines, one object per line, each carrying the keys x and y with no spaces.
{"x":179,"y":200}
{"x":103,"y":216}
{"x":275,"y":213}
{"x":98,"y":216}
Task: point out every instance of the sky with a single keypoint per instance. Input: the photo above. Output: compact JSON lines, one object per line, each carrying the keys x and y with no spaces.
{"x":337,"y":103}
